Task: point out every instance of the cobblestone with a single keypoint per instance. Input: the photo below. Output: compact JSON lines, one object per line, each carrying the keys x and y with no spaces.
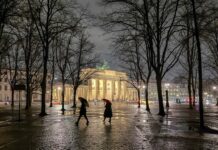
{"x":131,"y":129}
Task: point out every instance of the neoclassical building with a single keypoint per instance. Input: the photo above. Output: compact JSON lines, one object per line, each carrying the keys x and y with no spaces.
{"x":6,"y":79}
{"x":101,"y":84}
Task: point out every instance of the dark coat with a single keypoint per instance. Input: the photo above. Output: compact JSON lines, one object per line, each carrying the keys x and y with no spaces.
{"x":108,"y":111}
{"x":83,"y":109}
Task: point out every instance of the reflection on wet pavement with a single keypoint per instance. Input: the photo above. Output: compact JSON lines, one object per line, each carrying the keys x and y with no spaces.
{"x":131,"y":129}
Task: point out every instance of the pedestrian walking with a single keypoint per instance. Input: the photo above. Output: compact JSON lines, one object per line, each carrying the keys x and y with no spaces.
{"x":108,"y":110}
{"x":84,"y":104}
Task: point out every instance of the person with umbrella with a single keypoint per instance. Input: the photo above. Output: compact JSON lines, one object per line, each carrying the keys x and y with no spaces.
{"x":108,"y":110}
{"x":84,"y":104}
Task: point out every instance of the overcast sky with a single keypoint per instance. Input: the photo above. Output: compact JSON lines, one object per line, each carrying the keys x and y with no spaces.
{"x":97,"y":35}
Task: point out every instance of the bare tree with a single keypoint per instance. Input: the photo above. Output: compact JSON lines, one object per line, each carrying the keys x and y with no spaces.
{"x":83,"y":58}
{"x":64,"y":52}
{"x":200,"y":90}
{"x":25,"y":30}
{"x":129,"y":51}
{"x":144,"y":68}
{"x":157,"y":25}
{"x":188,"y":61}
{"x":52,"y":71}
{"x":7,"y":11}
{"x":13,"y":65}
{"x":133,"y":72}
{"x":51,"y":17}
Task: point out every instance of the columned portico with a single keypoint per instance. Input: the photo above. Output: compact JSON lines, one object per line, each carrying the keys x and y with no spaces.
{"x":104,"y":88}
{"x":107,"y":84}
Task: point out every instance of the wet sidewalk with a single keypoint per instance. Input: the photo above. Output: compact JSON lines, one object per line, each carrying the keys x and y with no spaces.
{"x":131,"y":129}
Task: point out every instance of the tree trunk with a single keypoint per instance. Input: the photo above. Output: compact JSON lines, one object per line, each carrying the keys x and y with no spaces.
{"x":52,"y":80}
{"x":190,"y":65}
{"x":51,"y":96}
{"x":62,"y":95}
{"x":160,"y":96}
{"x":12,"y":97}
{"x":189,"y":91}
{"x":193,"y":89}
{"x":28,"y":91}
{"x":200,"y":90}
{"x":167,"y":99}
{"x":44,"y":83}
{"x":139,"y":99}
{"x":30,"y":98}
{"x":28,"y":95}
{"x":146,"y":98}
{"x":74,"y":97}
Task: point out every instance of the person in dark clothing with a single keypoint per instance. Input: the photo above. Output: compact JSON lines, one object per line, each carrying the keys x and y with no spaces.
{"x":84,"y":104}
{"x":108,"y":110}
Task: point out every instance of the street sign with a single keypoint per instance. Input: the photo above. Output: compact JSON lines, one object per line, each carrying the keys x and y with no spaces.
{"x":19,"y":87}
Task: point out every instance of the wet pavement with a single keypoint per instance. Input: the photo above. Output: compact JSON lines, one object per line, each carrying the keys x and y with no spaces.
{"x":131,"y":129}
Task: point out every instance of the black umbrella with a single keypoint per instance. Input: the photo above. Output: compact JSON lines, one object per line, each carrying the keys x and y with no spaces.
{"x":84,"y":101}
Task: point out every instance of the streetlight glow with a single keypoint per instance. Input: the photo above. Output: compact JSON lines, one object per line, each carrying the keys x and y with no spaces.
{"x":167,"y":84}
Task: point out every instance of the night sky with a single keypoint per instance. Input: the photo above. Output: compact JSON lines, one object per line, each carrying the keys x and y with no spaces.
{"x":103,"y":41}
{"x":98,"y":36}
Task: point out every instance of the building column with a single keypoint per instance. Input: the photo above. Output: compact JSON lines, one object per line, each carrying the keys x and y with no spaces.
{"x":124,"y":90}
{"x":119,"y":90}
{"x":113,"y":90}
{"x":97,"y":89}
{"x":104,"y":88}
{"x":89,"y":95}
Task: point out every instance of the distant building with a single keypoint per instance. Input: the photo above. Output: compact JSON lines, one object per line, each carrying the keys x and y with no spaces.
{"x":6,"y":78}
{"x":175,"y":91}
{"x":103,"y":83}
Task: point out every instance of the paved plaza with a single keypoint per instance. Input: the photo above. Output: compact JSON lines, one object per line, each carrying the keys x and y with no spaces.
{"x":131,"y":129}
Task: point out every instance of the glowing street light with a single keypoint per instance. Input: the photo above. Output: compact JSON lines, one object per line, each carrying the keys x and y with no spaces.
{"x":166,"y":85}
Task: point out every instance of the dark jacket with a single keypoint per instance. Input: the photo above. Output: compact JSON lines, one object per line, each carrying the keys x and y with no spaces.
{"x":108,"y":110}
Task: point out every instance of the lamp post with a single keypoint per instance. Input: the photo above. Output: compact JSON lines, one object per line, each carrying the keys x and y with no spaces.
{"x":214,"y":94}
{"x":167,"y":96}
{"x":19,"y":87}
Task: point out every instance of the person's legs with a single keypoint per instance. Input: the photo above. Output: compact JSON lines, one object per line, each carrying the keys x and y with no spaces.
{"x":78,"y":120}
{"x":87,"y":120}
